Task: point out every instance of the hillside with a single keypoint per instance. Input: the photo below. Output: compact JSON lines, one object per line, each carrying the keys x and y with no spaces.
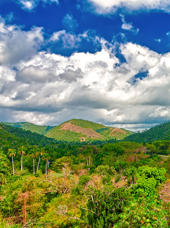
{"x":13,"y":136}
{"x":31,"y":127}
{"x":159,"y":132}
{"x":83,"y":130}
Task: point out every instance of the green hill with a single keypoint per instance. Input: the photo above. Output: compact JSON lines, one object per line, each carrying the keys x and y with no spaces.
{"x":75,"y":130}
{"x":13,"y":137}
{"x":83,"y":130}
{"x":159,"y":132}
{"x":31,"y":127}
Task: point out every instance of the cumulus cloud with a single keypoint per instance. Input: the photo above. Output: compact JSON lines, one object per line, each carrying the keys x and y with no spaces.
{"x":16,"y":45}
{"x":71,"y":75}
{"x":110,"y":6}
{"x":34,"y":74}
{"x":95,"y":86}
{"x":33,"y":117}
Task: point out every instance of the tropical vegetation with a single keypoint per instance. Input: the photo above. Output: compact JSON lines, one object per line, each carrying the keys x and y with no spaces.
{"x":100,"y":184}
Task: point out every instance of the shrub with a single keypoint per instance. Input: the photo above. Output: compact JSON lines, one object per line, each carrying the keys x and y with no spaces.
{"x":84,"y":179}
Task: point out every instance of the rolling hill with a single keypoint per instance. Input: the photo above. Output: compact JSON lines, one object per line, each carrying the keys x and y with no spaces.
{"x":30,"y":127}
{"x":13,"y":137}
{"x":83,"y":130}
{"x":159,"y":132}
{"x":75,"y":130}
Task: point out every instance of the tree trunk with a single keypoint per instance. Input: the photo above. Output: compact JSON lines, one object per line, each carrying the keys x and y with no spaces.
{"x":13,"y":166}
{"x":46,"y":165}
{"x":21,"y":163}
{"x":38,"y":164}
{"x":33,"y":167}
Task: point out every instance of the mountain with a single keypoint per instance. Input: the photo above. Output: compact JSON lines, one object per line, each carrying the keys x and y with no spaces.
{"x":31,"y":127}
{"x":14,"y":137}
{"x":159,"y":132}
{"x":75,"y":130}
{"x":83,"y":130}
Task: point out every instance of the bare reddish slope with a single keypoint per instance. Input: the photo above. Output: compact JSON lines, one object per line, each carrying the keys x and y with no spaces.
{"x":85,"y":131}
{"x":117,"y":131}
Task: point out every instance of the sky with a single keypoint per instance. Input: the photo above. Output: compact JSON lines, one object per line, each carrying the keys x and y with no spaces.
{"x":106,"y":61}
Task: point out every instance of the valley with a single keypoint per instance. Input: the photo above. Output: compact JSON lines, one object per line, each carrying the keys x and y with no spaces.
{"x":53,"y":182}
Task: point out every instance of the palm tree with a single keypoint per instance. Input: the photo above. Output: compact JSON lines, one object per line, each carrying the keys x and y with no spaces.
{"x":33,"y":157}
{"x":39,"y":154}
{"x":21,"y":152}
{"x":34,"y":149}
{"x":11,"y":153}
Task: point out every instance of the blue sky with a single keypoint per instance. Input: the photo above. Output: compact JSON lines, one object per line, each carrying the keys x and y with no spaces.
{"x":104,"y":61}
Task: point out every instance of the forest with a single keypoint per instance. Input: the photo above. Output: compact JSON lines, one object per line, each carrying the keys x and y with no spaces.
{"x":97,"y":184}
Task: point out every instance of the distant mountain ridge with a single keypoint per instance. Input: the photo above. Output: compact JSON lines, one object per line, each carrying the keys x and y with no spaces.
{"x":39,"y":129}
{"x":159,"y":132}
{"x":75,"y":130}
{"x":15,"y":137}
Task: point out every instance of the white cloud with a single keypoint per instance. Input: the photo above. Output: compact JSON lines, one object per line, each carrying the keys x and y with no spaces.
{"x":31,"y":4}
{"x":69,"y":40}
{"x":33,"y":117}
{"x":110,"y":6}
{"x":94,"y":86}
{"x":128,"y":26}
{"x":34,"y":74}
{"x":16,"y":45}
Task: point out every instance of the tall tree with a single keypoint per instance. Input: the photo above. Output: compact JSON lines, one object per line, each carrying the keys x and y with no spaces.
{"x":33,"y":160}
{"x":21,"y":152}
{"x":39,"y":153}
{"x":11,"y":153}
{"x":34,"y":150}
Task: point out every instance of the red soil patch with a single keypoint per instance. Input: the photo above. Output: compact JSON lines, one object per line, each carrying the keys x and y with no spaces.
{"x":116,"y":131}
{"x":85,"y":131}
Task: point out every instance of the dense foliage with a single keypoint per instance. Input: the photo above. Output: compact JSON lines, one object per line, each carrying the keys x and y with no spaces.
{"x":48,"y":183}
{"x":31,"y":127}
{"x":159,"y":132}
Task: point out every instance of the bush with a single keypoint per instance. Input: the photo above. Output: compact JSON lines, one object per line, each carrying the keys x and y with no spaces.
{"x":153,"y":172}
{"x":103,"y":208}
{"x":143,"y":212}
{"x":84,"y":179}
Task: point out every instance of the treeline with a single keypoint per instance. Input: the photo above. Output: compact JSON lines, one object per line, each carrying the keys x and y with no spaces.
{"x":159,"y":132}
